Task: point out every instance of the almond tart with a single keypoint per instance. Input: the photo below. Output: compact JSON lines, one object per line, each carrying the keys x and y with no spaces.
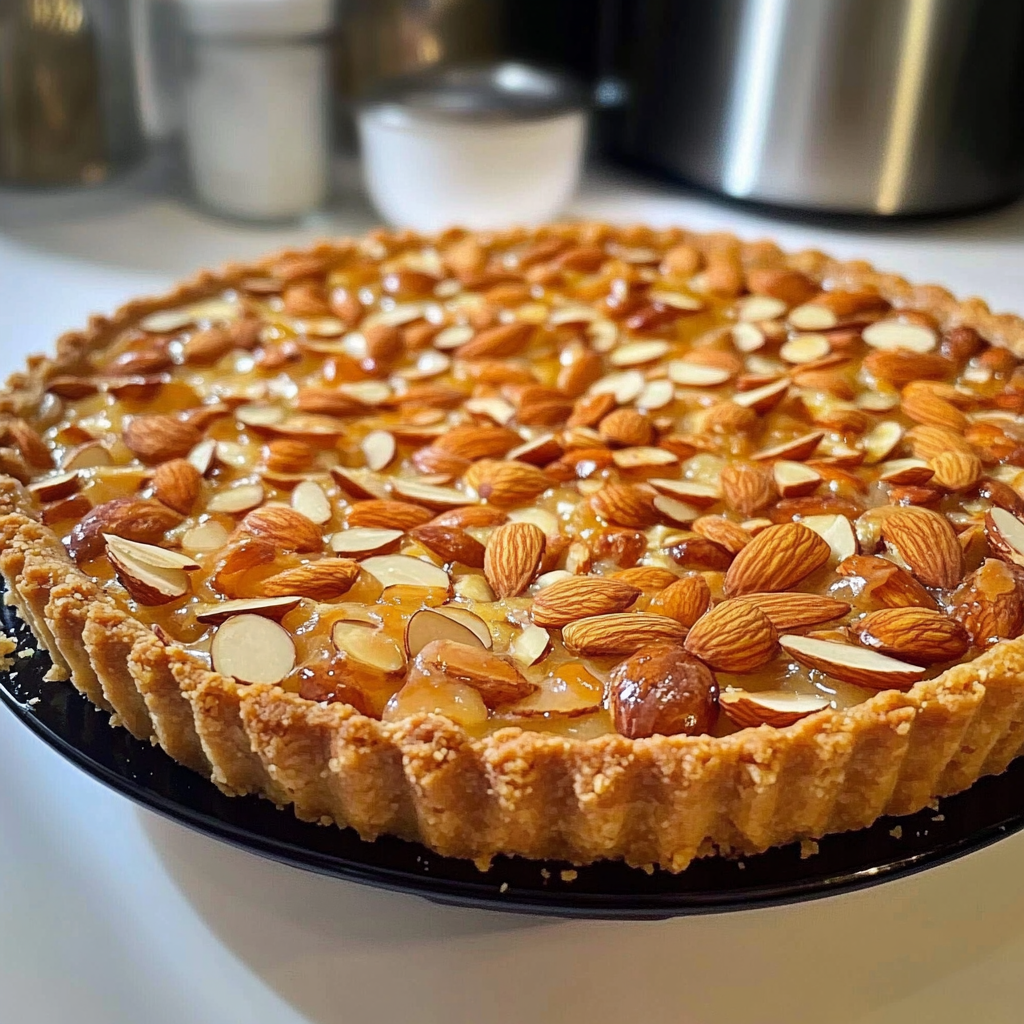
{"x":578,"y":543}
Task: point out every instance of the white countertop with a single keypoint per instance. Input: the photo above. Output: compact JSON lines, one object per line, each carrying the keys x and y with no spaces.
{"x":109,"y":914}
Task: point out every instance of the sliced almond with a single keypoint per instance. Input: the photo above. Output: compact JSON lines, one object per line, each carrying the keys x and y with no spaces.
{"x":206,"y":537}
{"x":359,"y":483}
{"x":763,"y":399}
{"x":146,"y":583}
{"x":798,"y":449}
{"x":529,"y":646}
{"x":453,"y":337}
{"x":893,"y":334}
{"x":1006,"y":534}
{"x":87,"y":456}
{"x":701,"y":495}
{"x":358,"y":541}
{"x":309,"y":499}
{"x":496,"y":679}
{"x":428,"y":624}
{"x":150,"y":554}
{"x":880,"y":442}
{"x":856,"y":665}
{"x":637,"y":353}
{"x":253,"y":649}
{"x":906,"y":471}
{"x":496,"y":409}
{"x":378,"y":449}
{"x":259,"y":416}
{"x":368,"y":645}
{"x":676,"y":300}
{"x":55,"y":487}
{"x":837,"y":531}
{"x":812,"y":317}
{"x":794,"y":479}
{"x":643,"y":457}
{"x":470,"y":620}
{"x":235,"y":500}
{"x":805,"y":348}
{"x":404,"y":570}
{"x":759,"y":307}
{"x":624,"y":387}
{"x":656,"y":395}
{"x":696,"y":375}
{"x":269,"y":607}
{"x":778,"y":708}
{"x":538,"y":452}
{"x":430,"y":496}
{"x":674,"y":510}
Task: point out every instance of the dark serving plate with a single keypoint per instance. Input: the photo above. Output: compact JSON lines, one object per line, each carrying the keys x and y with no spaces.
{"x":56,"y":712}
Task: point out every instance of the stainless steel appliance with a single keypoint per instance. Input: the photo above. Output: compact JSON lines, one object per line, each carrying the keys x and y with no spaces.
{"x":885,"y":107}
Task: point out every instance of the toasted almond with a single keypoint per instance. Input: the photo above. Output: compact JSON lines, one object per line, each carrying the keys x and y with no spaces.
{"x":797,"y":611}
{"x":734,"y":636}
{"x":478,"y":441}
{"x":886,"y":582}
{"x":365,"y":644}
{"x":919,"y":634}
{"x":619,"y":633}
{"x":778,"y":708}
{"x":892,"y":334}
{"x":512,"y":556}
{"x":928,"y":441}
{"x":450,"y":543}
{"x":323,"y":580}
{"x":429,"y":624}
{"x":496,"y":679}
{"x":378,"y":448}
{"x":684,"y":600}
{"x":387,"y":515}
{"x":177,"y":484}
{"x":283,"y":527}
{"x":646,"y":577}
{"x":747,"y":487}
{"x":497,"y":342}
{"x":55,"y":486}
{"x":794,"y":479}
{"x":990,"y":604}
{"x":722,"y":531}
{"x":404,"y":570}
{"x":252,"y":649}
{"x":627,"y":428}
{"x":269,"y":607}
{"x":852,"y":664}
{"x":159,"y":438}
{"x":235,"y":500}
{"x":471,"y":515}
{"x":927,"y":543}
{"x":309,"y":499}
{"x":776,"y":558}
{"x":921,"y":402}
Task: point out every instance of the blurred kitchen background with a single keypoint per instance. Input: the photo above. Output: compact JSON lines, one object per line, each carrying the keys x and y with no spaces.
{"x":485,"y":111}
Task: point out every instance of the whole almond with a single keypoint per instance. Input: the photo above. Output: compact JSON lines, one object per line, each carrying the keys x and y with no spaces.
{"x":512,"y":556}
{"x":285,"y":455}
{"x":901,"y":367}
{"x":886,"y":582}
{"x":923,"y":404}
{"x":158,"y":438}
{"x":956,"y":471}
{"x":497,"y":342}
{"x":177,"y":484}
{"x":321,"y":581}
{"x":790,"y":286}
{"x":577,"y":375}
{"x":918,"y":634}
{"x":579,"y":596}
{"x":506,"y":484}
{"x":131,"y":518}
{"x":725,"y":532}
{"x":388,"y":515}
{"x":682,"y":261}
{"x":989,"y":604}
{"x":735,"y":636}
{"x":775,"y":559}
{"x":470,"y":515}
{"x":323,"y":401}
{"x":619,"y":633}
{"x":540,"y":406}
{"x":927,"y":543}
{"x":748,"y":486}
{"x":434,"y":460}
{"x":626,"y":505}
{"x":283,"y":527}
{"x":647,"y":577}
{"x":1003,"y":496}
{"x":30,"y":444}
{"x":450,"y":543}
{"x":237,"y":558}
{"x":496,"y":679}
{"x":789,"y":611}
{"x":928,"y":442}
{"x":478,"y":441}
{"x":384,"y":343}
{"x":207,"y":347}
{"x":685,"y":600}
{"x":626,"y":428}
{"x":591,"y":409}
{"x":701,"y":553}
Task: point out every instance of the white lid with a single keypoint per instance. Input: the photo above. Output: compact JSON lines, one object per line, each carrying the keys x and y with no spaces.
{"x":257,"y":18}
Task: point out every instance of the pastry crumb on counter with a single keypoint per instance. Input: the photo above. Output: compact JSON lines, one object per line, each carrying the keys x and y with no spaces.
{"x":569,"y":875}
{"x":7,"y":647}
{"x":808,"y":848}
{"x":897,"y":832}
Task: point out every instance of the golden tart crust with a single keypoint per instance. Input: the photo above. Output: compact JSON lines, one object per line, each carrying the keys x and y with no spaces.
{"x":656,"y":800}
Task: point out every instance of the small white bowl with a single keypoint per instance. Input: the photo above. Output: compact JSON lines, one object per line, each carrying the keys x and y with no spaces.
{"x":483,"y":148}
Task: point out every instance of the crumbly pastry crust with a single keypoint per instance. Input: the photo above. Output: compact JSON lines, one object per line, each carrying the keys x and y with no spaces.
{"x":661,"y":800}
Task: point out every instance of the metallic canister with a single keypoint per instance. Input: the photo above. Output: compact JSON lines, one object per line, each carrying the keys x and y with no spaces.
{"x":882,"y":107}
